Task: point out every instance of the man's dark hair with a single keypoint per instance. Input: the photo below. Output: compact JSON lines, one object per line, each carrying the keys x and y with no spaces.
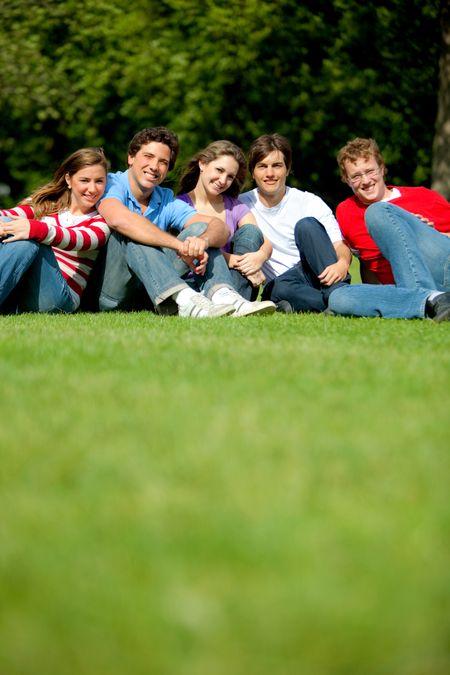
{"x":266,"y":144}
{"x":158,"y":135}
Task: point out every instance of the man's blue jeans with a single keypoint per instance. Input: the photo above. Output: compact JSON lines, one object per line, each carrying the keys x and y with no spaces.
{"x":420,"y":259}
{"x":31,"y":281}
{"x":130,"y":266}
{"x":300,"y":285}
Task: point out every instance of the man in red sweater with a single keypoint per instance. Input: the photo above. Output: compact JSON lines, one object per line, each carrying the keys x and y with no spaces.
{"x":401,"y":236}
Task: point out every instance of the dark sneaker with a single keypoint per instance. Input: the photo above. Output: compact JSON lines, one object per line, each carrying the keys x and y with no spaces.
{"x":284,"y":307}
{"x":438,"y":309}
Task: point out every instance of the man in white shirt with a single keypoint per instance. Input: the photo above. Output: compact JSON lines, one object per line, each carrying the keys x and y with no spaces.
{"x":309,"y":258}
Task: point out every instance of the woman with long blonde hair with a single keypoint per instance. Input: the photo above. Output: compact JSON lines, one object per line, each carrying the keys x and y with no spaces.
{"x":49,"y":242}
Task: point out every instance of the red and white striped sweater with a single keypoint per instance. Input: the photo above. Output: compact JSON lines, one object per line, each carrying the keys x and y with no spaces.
{"x":75,"y":241}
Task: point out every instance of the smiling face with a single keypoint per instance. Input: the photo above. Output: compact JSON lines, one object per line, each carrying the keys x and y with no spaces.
{"x":365,"y":176}
{"x":87,"y":186}
{"x":218,"y":175}
{"x":270,"y":175}
{"x":148,"y":167}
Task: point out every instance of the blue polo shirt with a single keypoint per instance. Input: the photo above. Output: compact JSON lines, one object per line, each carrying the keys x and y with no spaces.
{"x":163,"y":209}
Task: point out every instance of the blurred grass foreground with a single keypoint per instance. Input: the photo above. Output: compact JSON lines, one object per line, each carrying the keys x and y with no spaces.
{"x":260,"y":496}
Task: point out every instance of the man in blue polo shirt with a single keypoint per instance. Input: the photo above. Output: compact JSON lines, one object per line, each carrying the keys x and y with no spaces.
{"x":144,"y":252}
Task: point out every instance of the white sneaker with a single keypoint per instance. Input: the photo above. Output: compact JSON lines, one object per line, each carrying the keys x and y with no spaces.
{"x":199,"y":307}
{"x":244,"y":307}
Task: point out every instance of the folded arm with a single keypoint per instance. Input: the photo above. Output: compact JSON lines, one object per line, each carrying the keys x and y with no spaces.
{"x":136,"y":227}
{"x":216,"y":233}
{"x":250,"y":264}
{"x":89,"y":235}
{"x":339,"y":270}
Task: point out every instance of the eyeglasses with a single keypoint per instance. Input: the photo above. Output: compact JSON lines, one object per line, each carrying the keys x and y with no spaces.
{"x":357,"y":177}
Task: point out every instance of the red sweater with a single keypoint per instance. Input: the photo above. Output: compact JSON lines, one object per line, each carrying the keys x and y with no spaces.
{"x":350,"y":216}
{"x":75,"y":244}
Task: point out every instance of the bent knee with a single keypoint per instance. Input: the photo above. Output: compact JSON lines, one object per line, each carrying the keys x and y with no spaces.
{"x":194,"y":229}
{"x":376,"y":215}
{"x":307,"y":228}
{"x":248,"y":237}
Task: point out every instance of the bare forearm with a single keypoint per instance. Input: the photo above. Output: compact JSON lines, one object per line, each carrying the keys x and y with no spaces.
{"x":343,"y":253}
{"x":149,"y":234}
{"x":216,"y":233}
{"x":338,"y":270}
{"x":136,"y":227}
{"x":266,"y":249}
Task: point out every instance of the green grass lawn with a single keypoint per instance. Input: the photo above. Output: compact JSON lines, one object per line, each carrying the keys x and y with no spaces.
{"x":260,"y":496}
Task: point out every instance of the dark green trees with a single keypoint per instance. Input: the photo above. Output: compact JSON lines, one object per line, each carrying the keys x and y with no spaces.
{"x":90,"y":72}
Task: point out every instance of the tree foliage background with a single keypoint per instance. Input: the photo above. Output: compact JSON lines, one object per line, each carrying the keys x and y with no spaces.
{"x":93,"y":72}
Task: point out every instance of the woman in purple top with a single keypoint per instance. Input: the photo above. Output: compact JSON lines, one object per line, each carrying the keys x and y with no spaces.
{"x":211,"y":183}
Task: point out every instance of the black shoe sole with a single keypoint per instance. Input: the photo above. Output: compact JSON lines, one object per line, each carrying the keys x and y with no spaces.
{"x":442,"y":316}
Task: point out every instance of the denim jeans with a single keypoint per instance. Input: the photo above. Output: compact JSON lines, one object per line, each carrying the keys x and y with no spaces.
{"x":130,"y":266}
{"x":420,"y":259}
{"x":300,"y":285}
{"x":246,"y":239}
{"x":388,"y":301}
{"x":31,"y":281}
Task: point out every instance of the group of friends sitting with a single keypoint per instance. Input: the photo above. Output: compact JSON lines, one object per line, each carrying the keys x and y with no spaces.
{"x":213,"y":250}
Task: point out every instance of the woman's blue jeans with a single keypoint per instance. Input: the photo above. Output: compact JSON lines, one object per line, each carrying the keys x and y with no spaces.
{"x":31,"y":281}
{"x":247,"y":239}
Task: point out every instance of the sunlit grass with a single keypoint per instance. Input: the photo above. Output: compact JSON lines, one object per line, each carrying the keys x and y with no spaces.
{"x":247,"y":496}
